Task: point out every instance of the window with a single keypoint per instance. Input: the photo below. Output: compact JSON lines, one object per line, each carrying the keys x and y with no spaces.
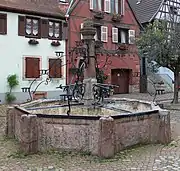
{"x":81,"y":26}
{"x":173,"y":10}
{"x":120,"y":35}
{"x":132,"y":36}
{"x":107,"y":6}
{"x":55,"y":30}
{"x":114,"y":6}
{"x":39,"y":28}
{"x":123,"y":36}
{"x":55,"y":68}
{"x":3,"y":24}
{"x":98,"y":33}
{"x":96,"y":5}
{"x":122,"y":10}
{"x":32,"y":67}
{"x":32,"y":27}
{"x":104,"y":33}
{"x":101,"y":33}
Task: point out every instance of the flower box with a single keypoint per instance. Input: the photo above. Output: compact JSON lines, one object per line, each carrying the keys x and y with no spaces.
{"x":123,"y":47}
{"x":55,"y":43}
{"x":33,"y":42}
{"x":99,"y":15}
{"x":116,"y":17}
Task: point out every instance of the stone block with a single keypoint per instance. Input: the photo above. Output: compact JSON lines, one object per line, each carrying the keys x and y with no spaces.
{"x":164,"y":133}
{"x":106,"y":137}
{"x":29,"y":134}
{"x":10,"y":122}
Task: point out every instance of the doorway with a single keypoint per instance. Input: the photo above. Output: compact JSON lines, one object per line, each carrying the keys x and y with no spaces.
{"x":120,"y":77}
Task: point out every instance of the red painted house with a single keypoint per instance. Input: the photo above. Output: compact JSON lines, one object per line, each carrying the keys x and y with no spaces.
{"x":116,"y":25}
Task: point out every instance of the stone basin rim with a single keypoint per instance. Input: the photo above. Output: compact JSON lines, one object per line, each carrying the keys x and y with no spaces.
{"x":149,"y":112}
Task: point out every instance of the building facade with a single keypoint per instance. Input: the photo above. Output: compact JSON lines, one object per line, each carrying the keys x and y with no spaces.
{"x":29,"y":38}
{"x":147,"y":11}
{"x":116,"y":26}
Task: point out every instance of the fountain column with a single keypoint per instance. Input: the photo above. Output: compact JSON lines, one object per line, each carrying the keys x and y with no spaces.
{"x":88,"y":31}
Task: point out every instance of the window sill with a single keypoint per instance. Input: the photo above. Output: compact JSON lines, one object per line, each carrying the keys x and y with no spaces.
{"x":56,"y":78}
{"x":32,"y":79}
{"x":32,"y":37}
{"x":53,"y":38}
{"x":3,"y":34}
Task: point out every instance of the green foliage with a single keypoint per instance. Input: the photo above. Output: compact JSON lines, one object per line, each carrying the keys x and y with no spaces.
{"x":100,"y":75}
{"x":13,"y":82}
{"x":10,"y":97}
{"x":159,"y":42}
{"x":152,"y":67}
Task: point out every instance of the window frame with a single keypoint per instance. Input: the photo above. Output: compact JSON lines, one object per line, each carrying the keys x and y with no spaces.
{"x":60,"y":30}
{"x":61,"y":71}
{"x":98,"y":2}
{"x":119,"y":34}
{"x":3,"y":18}
{"x":126,"y":31}
{"x":115,"y":8}
{"x":97,"y":36}
{"x":24,"y":67}
{"x":122,"y":7}
{"x":105,"y":6}
{"x":39,"y":27}
{"x":102,"y":32}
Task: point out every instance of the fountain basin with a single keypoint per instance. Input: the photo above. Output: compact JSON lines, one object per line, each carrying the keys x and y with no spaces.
{"x":43,"y":125}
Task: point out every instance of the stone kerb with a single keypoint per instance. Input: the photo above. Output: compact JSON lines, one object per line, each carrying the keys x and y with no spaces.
{"x":13,"y":120}
{"x":10,"y":122}
{"x":164,"y":132}
{"x":106,"y":144}
{"x":29,"y":134}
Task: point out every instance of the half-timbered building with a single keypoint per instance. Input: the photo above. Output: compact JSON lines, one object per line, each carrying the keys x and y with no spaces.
{"x":147,"y":11}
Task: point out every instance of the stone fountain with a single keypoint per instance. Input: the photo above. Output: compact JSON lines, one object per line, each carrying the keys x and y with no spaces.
{"x":104,"y":131}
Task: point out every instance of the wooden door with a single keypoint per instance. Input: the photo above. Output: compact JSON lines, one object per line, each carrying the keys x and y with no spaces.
{"x":120,"y":77}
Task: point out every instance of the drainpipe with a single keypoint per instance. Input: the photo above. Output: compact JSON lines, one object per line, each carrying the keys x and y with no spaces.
{"x":67,"y":12}
{"x":143,"y":76}
{"x":67,"y":19}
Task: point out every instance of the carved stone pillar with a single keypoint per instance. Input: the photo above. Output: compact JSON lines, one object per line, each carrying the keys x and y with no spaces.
{"x":88,"y":31}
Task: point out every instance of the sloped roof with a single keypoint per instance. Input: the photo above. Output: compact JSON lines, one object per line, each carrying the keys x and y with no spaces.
{"x":41,"y":7}
{"x":146,"y":9}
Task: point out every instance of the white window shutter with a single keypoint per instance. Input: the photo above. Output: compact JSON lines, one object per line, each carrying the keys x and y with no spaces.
{"x":81,"y":28}
{"x":91,"y":4}
{"x":122,"y":7}
{"x":104,"y":33}
{"x":114,"y":35}
{"x":132,"y":36}
{"x":107,"y":6}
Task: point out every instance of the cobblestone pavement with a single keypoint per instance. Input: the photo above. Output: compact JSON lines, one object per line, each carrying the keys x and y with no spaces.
{"x":142,"y":158}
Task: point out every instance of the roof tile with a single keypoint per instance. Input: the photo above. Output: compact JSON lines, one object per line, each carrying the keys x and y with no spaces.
{"x":146,"y":9}
{"x":48,"y":7}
